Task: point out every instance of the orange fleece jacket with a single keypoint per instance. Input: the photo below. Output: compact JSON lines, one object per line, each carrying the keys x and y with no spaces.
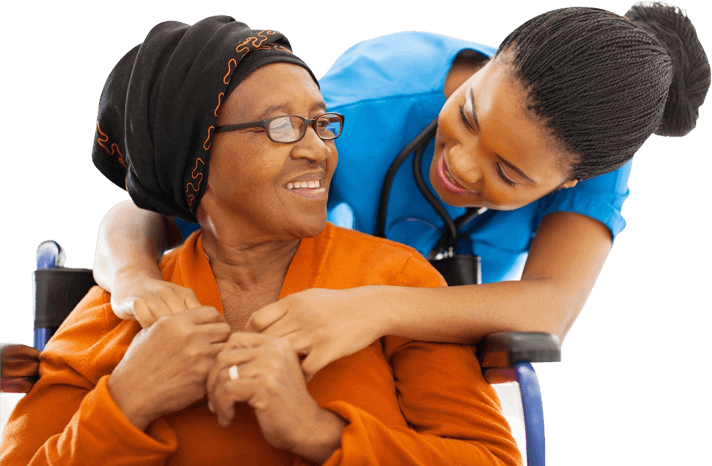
{"x":405,"y":402}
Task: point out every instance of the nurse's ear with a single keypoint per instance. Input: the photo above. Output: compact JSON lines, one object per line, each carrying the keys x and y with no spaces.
{"x":569,"y":184}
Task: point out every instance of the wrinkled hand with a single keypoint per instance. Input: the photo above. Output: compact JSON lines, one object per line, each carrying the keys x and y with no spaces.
{"x":270,"y":380}
{"x":165,"y":369}
{"x":148,"y":299}
{"x":325,"y":325}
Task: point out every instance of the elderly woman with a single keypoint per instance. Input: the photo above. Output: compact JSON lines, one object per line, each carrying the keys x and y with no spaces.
{"x":224,"y":125}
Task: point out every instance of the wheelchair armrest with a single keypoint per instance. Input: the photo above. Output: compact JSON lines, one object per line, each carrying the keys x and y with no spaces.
{"x":19,"y":368}
{"x":499,"y":352}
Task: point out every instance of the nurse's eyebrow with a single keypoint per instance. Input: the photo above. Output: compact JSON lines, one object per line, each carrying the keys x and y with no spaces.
{"x":504,"y":161}
{"x":472,"y":105}
{"x":513,"y":167}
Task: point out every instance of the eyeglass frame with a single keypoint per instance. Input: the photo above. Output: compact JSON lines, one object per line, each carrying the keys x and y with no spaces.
{"x":264,"y":124}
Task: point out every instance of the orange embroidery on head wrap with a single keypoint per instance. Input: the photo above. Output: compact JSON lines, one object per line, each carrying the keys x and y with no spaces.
{"x":114,"y":147}
{"x":250,"y":44}
{"x":196,"y":174}
{"x":230,"y":64}
{"x":208,"y":142}
{"x":219,"y":103}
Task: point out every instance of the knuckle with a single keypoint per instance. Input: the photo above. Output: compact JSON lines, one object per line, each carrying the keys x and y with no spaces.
{"x":165,"y":292}
{"x":234,"y":339}
{"x":258,"y":320}
{"x":222,"y":392}
{"x":203,"y":367}
{"x":138,"y":302}
{"x":223,"y":358}
{"x":207,"y":312}
{"x":182,"y":325}
{"x":192,"y":351}
{"x":163,"y":324}
{"x":282,"y":346}
{"x":271,"y":384}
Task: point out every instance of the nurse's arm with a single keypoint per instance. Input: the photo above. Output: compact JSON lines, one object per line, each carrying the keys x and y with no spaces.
{"x":565,"y":258}
{"x":129,"y":243}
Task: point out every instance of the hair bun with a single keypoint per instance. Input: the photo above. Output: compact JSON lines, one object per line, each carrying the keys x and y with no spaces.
{"x":691,"y":70}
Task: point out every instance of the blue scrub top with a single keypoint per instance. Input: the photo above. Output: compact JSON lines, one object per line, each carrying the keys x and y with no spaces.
{"x":389,"y":89}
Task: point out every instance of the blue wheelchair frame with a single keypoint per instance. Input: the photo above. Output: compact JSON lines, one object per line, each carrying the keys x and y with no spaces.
{"x":504,"y":357}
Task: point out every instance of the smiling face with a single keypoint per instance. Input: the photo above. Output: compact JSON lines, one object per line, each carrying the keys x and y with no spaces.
{"x":263,"y":190}
{"x":489,"y":150}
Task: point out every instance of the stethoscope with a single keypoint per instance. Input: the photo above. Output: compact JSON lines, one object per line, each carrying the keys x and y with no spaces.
{"x":458,"y":269}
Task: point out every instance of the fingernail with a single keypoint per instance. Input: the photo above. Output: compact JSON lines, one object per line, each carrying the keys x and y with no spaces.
{"x":211,"y":407}
{"x":224,"y":421}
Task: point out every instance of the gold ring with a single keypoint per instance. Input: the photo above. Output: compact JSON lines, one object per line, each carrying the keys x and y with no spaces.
{"x":232,"y":372}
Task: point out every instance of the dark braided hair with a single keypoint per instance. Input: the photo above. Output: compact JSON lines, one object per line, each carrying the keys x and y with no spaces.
{"x":602,"y":83}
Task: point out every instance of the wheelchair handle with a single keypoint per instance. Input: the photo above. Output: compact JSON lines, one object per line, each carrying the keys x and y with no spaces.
{"x":50,"y":255}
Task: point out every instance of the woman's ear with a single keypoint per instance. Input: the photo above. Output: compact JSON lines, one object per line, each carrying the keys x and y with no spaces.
{"x":569,"y":184}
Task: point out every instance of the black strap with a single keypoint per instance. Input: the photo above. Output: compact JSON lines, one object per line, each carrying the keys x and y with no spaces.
{"x":422,"y":139}
{"x":57,"y":292}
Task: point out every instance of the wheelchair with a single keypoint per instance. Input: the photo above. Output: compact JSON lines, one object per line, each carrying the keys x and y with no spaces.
{"x":504,"y":357}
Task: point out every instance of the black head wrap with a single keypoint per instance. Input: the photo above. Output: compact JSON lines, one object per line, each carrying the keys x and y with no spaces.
{"x":160,"y":103}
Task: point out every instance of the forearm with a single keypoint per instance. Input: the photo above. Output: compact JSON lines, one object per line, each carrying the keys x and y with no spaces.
{"x":565,"y":258}
{"x":320,"y":442}
{"x":368,"y":440}
{"x":129,"y":242}
{"x":465,"y":314}
{"x":83,"y":425}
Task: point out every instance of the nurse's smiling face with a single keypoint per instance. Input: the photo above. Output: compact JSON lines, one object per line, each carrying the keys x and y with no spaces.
{"x":490,"y":151}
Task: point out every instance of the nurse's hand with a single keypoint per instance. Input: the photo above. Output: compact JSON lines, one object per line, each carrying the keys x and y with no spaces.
{"x":323,"y":325}
{"x":145,"y":299}
{"x":264,"y":372}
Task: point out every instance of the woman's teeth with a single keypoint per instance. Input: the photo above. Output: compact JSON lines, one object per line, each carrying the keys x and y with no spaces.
{"x":304,"y":185}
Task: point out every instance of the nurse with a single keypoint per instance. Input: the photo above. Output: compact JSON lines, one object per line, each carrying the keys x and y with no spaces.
{"x":536,"y":137}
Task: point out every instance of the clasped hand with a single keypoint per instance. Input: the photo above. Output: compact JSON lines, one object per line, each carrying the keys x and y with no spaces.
{"x":186,"y":356}
{"x":324,"y":325}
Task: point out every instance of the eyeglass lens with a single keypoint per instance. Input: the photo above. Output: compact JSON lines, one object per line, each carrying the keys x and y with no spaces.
{"x":292,"y":128}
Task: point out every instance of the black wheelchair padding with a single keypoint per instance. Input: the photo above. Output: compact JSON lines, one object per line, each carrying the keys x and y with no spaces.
{"x":57,"y":292}
{"x":505,"y":349}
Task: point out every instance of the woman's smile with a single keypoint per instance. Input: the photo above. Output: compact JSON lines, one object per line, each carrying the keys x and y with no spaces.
{"x":267,"y":189}
{"x":311,"y":189}
{"x":446,"y":179}
{"x":310,"y":185}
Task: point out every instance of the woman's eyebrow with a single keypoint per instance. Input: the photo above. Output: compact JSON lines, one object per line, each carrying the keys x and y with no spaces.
{"x":472,"y":105}
{"x":514,"y":167}
{"x":504,"y":161}
{"x":284,"y":109}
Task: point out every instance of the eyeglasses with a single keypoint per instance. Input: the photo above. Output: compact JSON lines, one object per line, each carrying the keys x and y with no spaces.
{"x":291,"y":128}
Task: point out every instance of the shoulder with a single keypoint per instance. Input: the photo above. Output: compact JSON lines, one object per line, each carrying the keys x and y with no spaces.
{"x":371,"y":260}
{"x":92,"y":340}
{"x":600,"y":198}
{"x":91,"y":317}
{"x":362,"y":243}
{"x":396,"y":64}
